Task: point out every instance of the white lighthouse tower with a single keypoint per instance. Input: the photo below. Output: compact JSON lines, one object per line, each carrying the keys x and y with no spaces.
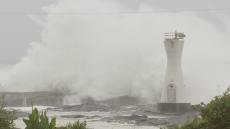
{"x":174,"y":88}
{"x":173,"y":98}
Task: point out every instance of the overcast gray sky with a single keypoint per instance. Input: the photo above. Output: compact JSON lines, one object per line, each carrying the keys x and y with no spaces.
{"x":18,"y":30}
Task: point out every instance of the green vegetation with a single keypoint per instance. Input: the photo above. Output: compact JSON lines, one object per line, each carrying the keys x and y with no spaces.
{"x":214,"y":115}
{"x":76,"y":125}
{"x":39,"y":121}
{"x":6,"y":117}
{"x":197,"y":123}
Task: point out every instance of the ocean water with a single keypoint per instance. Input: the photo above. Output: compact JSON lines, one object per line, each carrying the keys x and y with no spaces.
{"x":94,"y":123}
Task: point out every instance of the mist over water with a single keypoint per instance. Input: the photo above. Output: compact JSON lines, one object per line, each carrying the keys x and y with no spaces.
{"x":92,"y":48}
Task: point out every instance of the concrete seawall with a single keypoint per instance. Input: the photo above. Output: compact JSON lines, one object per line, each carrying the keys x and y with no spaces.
{"x":43,"y":98}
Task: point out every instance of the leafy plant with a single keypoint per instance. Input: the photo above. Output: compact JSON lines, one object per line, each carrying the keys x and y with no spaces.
{"x":197,"y":123}
{"x":39,"y":120}
{"x":214,"y":115}
{"x":217,"y":112}
{"x":6,"y":117}
{"x":76,"y":125}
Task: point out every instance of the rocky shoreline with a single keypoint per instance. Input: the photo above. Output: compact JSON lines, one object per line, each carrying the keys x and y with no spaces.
{"x":116,"y":111}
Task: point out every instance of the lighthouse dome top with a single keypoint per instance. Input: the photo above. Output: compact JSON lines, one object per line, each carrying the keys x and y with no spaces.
{"x":175,"y":35}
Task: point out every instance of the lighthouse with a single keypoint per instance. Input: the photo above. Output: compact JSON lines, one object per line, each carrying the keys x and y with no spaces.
{"x":173,"y":88}
{"x":173,"y":97}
